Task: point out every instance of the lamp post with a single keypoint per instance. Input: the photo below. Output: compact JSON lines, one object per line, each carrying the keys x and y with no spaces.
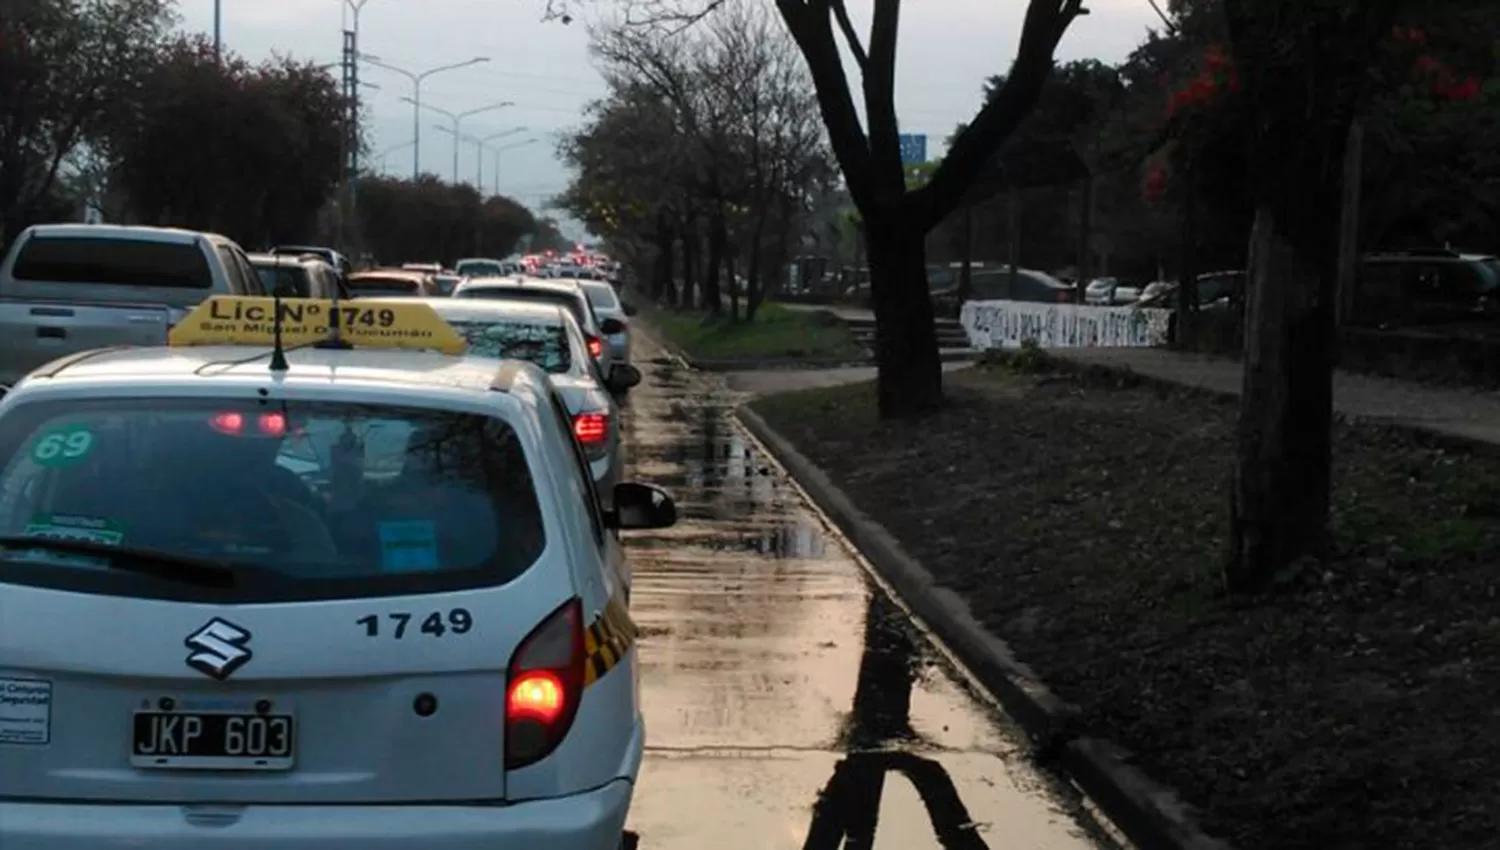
{"x":480,"y":145}
{"x":501,"y":150}
{"x":457,"y":118}
{"x":218,"y":29}
{"x":385,"y":155}
{"x":416,"y":99}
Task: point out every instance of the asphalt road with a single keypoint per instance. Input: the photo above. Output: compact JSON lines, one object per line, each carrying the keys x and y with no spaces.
{"x":775,"y":676}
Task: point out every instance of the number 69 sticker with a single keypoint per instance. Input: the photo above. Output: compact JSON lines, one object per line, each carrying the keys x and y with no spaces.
{"x":63,"y":446}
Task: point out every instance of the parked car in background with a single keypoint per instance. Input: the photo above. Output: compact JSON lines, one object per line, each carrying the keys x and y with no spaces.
{"x":1029,"y":285}
{"x":66,"y":288}
{"x":1216,"y":291}
{"x":446,"y":283}
{"x":1427,"y":287}
{"x":392,"y":283}
{"x":305,"y":276}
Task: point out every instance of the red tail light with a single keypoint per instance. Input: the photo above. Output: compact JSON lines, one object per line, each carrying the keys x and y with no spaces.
{"x":596,"y":347}
{"x":233,"y":424}
{"x":544,"y":687}
{"x":1064,"y":296}
{"x":591,"y":428}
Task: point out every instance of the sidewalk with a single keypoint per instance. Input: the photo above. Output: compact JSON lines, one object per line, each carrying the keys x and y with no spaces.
{"x":1467,"y":414}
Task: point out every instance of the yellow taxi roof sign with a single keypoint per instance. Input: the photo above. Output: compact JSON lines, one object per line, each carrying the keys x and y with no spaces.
{"x":248,"y":320}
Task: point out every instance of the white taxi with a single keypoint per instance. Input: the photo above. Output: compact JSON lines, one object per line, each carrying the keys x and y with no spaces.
{"x":316,"y":595}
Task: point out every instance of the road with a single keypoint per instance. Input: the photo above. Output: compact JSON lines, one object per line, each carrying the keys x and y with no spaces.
{"x":774,"y":676}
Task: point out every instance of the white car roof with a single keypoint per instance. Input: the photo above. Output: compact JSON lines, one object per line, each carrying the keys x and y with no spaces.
{"x":544,"y":284}
{"x":469,"y":309}
{"x":438,"y":379}
{"x":171,"y":235}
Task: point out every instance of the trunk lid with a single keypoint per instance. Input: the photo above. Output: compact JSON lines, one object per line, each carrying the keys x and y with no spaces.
{"x":391,"y":699}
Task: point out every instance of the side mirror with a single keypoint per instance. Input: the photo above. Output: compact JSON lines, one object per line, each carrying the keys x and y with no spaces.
{"x":623,"y":377}
{"x":612,"y":326}
{"x":641,"y":506}
{"x":629,"y":309}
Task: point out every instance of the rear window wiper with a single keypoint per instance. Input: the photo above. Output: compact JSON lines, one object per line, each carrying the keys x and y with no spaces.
{"x":169,"y":566}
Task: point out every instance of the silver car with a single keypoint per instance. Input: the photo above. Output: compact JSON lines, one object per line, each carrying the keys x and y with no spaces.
{"x":607,"y":305}
{"x":563,"y":293}
{"x":547,"y":335}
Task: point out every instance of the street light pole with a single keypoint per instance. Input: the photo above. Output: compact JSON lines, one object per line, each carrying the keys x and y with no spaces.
{"x":218,"y":29}
{"x":501,"y":150}
{"x":479,"y":145}
{"x":457,"y":119}
{"x":416,"y":99}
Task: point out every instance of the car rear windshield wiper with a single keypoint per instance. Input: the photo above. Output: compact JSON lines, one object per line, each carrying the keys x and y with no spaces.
{"x":163,"y":565}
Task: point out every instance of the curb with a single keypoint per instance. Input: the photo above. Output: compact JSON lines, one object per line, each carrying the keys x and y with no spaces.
{"x":1151,"y":815}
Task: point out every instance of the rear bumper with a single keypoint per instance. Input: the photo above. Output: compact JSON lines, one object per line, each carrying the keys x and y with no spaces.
{"x":591,"y":821}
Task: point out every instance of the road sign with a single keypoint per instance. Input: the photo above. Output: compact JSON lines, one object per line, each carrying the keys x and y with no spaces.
{"x":913,"y":148}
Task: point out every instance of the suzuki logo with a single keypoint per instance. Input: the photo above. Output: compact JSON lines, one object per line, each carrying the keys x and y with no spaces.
{"x":219,"y":649}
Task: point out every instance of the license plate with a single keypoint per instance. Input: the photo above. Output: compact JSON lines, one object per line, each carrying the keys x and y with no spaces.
{"x":202,"y":740}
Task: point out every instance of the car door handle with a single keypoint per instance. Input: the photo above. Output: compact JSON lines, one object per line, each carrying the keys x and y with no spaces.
{"x":51,"y":333}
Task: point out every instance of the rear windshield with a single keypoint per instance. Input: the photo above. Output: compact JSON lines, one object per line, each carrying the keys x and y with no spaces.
{"x":122,"y":262}
{"x":602,"y":297}
{"x":542,"y":344}
{"x":521,"y":293}
{"x":382,"y":286}
{"x":481,"y":269}
{"x":301,"y":499}
{"x":285,"y":281}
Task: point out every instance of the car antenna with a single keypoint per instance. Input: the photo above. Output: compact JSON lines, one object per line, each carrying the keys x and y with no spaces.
{"x":278,"y":352}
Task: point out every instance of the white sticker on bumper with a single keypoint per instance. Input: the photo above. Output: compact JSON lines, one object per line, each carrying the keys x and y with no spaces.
{"x":25,"y":711}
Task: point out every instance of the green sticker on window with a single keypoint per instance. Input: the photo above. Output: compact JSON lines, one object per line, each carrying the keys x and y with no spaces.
{"x":63,"y":446}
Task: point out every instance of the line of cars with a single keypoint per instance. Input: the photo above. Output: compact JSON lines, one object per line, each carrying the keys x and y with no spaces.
{"x":308,"y":571}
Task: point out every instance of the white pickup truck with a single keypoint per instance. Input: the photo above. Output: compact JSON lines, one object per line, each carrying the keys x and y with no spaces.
{"x":66,"y":288}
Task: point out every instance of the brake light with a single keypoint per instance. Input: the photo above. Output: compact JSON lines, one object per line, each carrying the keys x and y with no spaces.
{"x":596,"y":347}
{"x":1064,"y":296}
{"x":591,"y":427}
{"x":233,"y":424}
{"x":544,"y":687}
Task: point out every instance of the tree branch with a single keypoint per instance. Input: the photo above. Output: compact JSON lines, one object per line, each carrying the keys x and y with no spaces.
{"x":1046,"y":22}
{"x":880,"y":99}
{"x":810,"y":26}
{"x":841,"y":14}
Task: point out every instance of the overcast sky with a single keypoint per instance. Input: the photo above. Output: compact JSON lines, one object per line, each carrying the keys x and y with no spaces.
{"x":947,"y":49}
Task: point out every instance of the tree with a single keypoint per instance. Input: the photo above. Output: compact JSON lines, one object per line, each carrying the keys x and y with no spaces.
{"x":68,"y":68}
{"x":253,"y":152}
{"x":897,"y":219}
{"x":1304,"y":67}
{"x":427,"y":220}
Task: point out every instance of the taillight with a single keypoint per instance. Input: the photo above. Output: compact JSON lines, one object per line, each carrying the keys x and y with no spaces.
{"x":544,"y":686}
{"x":596,"y":347}
{"x":232,"y":424}
{"x":1064,"y":296}
{"x":592,"y":431}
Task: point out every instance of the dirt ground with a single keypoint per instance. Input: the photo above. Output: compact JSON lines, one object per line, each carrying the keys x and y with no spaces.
{"x":1084,"y":517}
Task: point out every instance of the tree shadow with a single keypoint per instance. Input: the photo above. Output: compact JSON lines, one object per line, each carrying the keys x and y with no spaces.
{"x":846,"y":814}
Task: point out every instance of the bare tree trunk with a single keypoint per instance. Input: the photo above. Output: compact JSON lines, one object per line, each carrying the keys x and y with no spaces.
{"x":910,"y":381}
{"x":1086,"y":234}
{"x":1354,"y":174}
{"x":755,"y":269}
{"x":692,"y":246}
{"x":1282,"y":468}
{"x":717,"y":247}
{"x":1187,"y":267}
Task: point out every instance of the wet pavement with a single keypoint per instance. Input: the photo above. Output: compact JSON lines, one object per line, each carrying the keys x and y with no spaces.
{"x":788,"y":703}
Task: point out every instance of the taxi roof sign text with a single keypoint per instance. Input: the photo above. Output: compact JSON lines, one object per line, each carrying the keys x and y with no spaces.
{"x":249,"y":320}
